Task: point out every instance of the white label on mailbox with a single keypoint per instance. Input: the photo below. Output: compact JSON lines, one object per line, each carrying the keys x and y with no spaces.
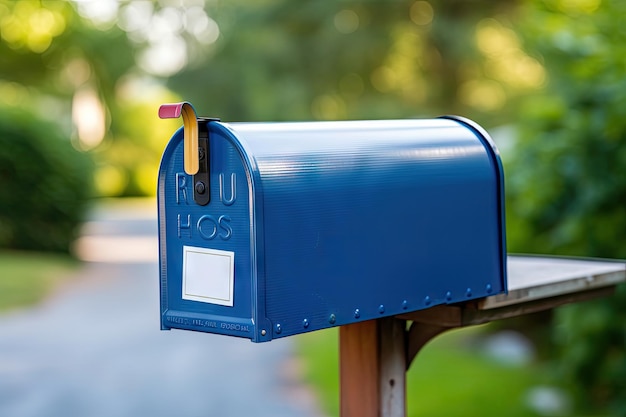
{"x":208,"y":275}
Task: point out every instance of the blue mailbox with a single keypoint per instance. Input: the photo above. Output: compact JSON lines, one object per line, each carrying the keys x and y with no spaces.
{"x":268,"y":230}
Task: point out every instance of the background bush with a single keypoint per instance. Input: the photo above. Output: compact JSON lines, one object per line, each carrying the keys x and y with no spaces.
{"x":44,"y":184}
{"x":566,"y":185}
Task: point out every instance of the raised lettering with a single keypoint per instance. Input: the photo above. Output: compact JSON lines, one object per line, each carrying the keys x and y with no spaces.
{"x":233,"y":190}
{"x":181,"y":188}
{"x":178,"y":320}
{"x":204,"y":323}
{"x":208,"y":227}
{"x":209,"y":232}
{"x":235,"y":326}
{"x":182,"y":226}
{"x":224,"y":223}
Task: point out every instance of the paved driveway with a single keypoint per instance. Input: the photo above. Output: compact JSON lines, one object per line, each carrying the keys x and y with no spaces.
{"x":95,"y":348}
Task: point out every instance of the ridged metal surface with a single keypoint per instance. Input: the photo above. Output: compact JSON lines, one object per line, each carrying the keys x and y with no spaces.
{"x":347,"y":221}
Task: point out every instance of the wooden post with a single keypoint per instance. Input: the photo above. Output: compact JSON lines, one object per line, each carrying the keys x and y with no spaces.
{"x":393,"y":366}
{"x":359,"y":370}
{"x":372,"y":369}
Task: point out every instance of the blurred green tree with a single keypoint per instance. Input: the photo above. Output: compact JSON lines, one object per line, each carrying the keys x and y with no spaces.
{"x":45,"y":184}
{"x":77,"y":65}
{"x":566,"y":186}
{"x":94,"y":67}
{"x":280,"y":60}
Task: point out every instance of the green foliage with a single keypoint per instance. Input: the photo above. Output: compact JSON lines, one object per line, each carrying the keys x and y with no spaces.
{"x":320,"y":356}
{"x":567,"y":184}
{"x":44,"y":184}
{"x":71,"y":70}
{"x":27,"y":277}
{"x":440,"y":380}
{"x":448,"y":378}
{"x":279,"y":60}
{"x":592,"y":338}
{"x":269,"y":60}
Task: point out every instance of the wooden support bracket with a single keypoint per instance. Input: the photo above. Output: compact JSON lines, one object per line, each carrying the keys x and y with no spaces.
{"x":374,"y":355}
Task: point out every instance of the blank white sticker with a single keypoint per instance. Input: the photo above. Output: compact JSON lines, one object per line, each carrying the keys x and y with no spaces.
{"x":208,"y":275}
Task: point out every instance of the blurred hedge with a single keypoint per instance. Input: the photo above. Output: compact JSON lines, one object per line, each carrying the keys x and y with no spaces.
{"x":566,"y":187}
{"x":44,"y":184}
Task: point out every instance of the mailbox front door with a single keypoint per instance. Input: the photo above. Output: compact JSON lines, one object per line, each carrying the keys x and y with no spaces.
{"x":206,"y":238}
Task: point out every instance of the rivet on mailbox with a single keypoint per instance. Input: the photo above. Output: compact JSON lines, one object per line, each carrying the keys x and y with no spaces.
{"x":268,"y":229}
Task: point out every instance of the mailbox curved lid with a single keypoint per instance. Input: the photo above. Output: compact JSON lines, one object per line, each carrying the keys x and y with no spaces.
{"x":366,"y":151}
{"x":341,"y":221}
{"x":369,"y":168}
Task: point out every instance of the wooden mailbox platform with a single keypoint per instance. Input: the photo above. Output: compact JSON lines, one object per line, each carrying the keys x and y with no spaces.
{"x":375,"y":355}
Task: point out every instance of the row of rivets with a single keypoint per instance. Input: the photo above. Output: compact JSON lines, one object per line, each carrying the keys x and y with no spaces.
{"x":305,"y":323}
{"x":332,"y":319}
{"x":468,"y":294}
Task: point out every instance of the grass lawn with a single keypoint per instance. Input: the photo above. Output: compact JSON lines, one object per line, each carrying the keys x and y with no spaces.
{"x":27,"y":277}
{"x":448,"y":378}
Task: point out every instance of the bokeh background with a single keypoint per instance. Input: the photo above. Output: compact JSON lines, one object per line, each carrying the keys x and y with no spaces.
{"x":81,"y":82}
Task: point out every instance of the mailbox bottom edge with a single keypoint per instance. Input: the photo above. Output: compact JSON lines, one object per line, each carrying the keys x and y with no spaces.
{"x":207,"y":323}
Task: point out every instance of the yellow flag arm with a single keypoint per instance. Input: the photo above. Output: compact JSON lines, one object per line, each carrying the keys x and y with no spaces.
{"x":190,"y":125}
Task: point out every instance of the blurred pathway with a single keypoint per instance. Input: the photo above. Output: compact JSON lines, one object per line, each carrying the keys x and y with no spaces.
{"x":95,"y":348}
